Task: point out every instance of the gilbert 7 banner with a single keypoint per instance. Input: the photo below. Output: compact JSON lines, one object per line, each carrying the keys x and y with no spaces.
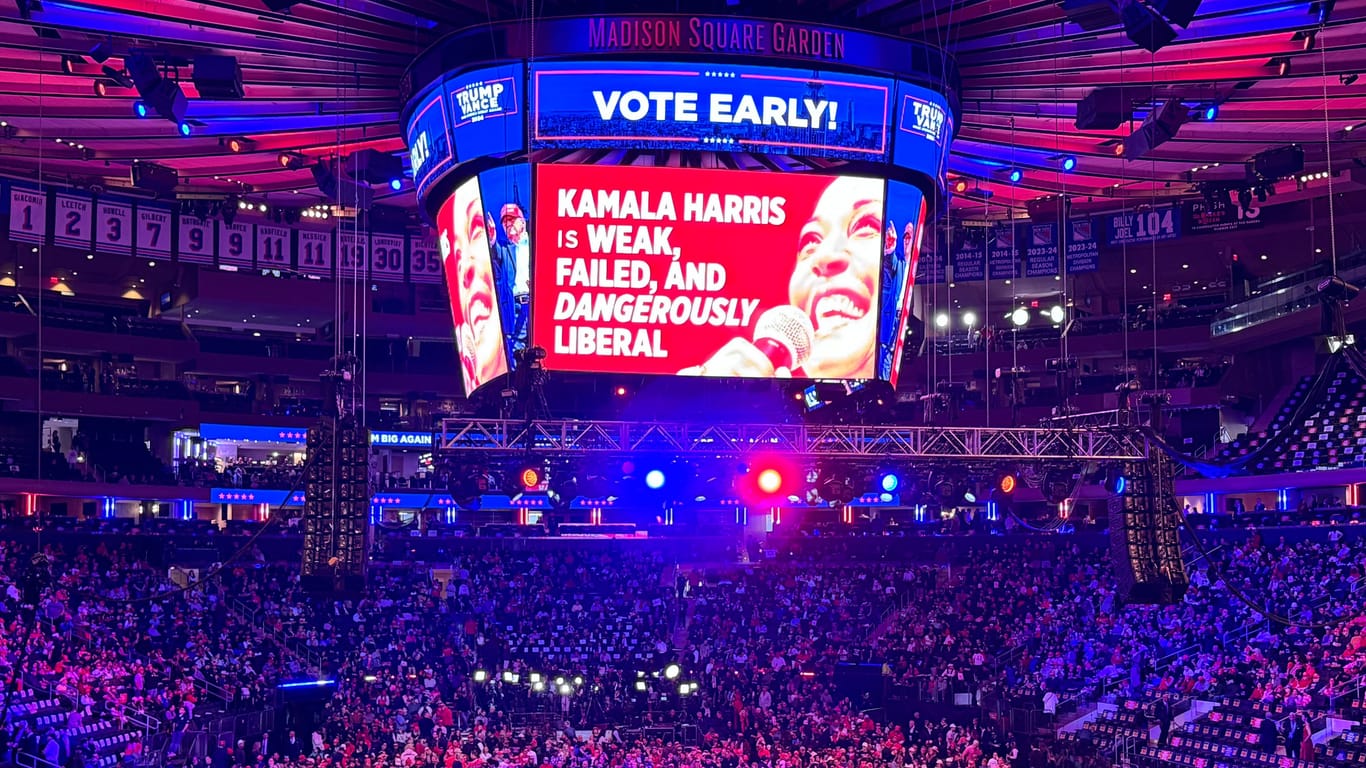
{"x":707,"y":272}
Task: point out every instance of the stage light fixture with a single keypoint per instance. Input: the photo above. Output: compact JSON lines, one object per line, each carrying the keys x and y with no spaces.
{"x":941,"y":320}
{"x":101,"y":88}
{"x":480,"y":675}
{"x":1069,"y":164}
{"x":1282,"y":65}
{"x":1015,"y":175}
{"x":1020,"y":317}
{"x":672,"y":672}
{"x":530,"y":478}
{"x":1145,"y":28}
{"x":1057,"y":314}
{"x":960,"y":186}
{"x":890,"y":482}
{"x":396,"y":184}
{"x":654,"y":479}
{"x":184,"y":128}
{"x":970,"y":318}
{"x":237,"y":145}
{"x":969,"y":497}
{"x":769,"y":481}
{"x":1211,"y":113}
{"x":1007,"y":483}
{"x":291,"y":160}
{"x":139,"y":109}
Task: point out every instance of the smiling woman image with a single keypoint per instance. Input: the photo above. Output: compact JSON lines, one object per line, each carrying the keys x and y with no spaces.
{"x":469,"y":278}
{"x":834,"y":281}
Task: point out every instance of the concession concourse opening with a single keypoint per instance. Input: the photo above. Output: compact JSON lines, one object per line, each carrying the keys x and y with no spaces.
{"x":774,"y":231}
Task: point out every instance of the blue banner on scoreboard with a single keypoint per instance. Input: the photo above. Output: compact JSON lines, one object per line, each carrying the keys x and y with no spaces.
{"x":924,"y":126}
{"x":970,"y":257}
{"x":649,"y":105}
{"x":485,"y":107}
{"x":1144,"y":227}
{"x":429,"y":140}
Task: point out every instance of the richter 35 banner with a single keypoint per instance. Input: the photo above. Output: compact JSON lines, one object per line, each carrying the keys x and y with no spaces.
{"x":707,"y":272}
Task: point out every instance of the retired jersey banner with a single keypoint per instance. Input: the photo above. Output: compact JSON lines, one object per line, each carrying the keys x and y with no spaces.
{"x":315,"y":252}
{"x":424,"y":260}
{"x":27,"y":215}
{"x":194,"y":240}
{"x":154,"y":232}
{"x":274,"y":247}
{"x":1083,"y":251}
{"x":386,"y":257}
{"x":234,"y":244}
{"x":72,"y":224}
{"x":114,"y":230}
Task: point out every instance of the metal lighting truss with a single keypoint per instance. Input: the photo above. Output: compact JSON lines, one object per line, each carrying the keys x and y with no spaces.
{"x":573,"y":437}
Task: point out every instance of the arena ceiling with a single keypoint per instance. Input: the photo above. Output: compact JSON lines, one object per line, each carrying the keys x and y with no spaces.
{"x":320,"y":80}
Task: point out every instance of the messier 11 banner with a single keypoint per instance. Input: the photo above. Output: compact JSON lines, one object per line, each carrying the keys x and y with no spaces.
{"x":712,"y":107}
{"x":708,"y":272}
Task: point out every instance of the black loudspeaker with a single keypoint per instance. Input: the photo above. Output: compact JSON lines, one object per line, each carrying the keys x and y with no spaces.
{"x":1178,"y":12}
{"x":1091,"y":15}
{"x":218,"y":77}
{"x":1048,"y":208}
{"x":1103,"y":109}
{"x":1145,"y":28}
{"x":1145,"y":546}
{"x":153,"y":177}
{"x":1279,"y":163}
{"x":1159,"y":128}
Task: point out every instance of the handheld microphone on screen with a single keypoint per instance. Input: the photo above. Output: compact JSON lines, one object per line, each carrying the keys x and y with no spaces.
{"x":785,"y":335}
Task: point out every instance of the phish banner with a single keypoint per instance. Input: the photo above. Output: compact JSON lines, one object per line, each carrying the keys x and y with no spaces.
{"x":1041,"y":250}
{"x":712,"y":107}
{"x":1003,"y":261}
{"x":707,"y":272}
{"x":1083,"y":250}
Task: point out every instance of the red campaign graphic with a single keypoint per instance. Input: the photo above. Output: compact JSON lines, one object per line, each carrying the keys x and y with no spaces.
{"x":463,"y":236}
{"x":707,"y":272}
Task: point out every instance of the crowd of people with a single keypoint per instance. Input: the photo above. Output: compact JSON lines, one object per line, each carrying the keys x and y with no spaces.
{"x":623,"y":656}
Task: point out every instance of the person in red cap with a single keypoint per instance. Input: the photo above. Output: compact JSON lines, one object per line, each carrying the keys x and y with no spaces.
{"x":516,"y":258}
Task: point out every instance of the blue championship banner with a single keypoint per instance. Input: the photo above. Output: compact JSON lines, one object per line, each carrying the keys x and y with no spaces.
{"x":1083,"y":250}
{"x":716,"y":107}
{"x":1041,"y":250}
{"x":1003,"y":261}
{"x":970,"y":257}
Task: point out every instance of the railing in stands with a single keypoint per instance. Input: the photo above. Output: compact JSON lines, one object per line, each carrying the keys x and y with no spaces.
{"x":311,"y":659}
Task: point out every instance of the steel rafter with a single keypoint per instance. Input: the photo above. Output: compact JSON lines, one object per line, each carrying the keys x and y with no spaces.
{"x":813,"y":441}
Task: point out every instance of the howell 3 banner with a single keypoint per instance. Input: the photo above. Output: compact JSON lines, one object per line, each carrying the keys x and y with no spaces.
{"x":160,"y":232}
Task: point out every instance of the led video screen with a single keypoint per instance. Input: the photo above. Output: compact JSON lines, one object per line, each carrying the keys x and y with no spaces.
{"x":486,"y":111}
{"x":464,"y":232}
{"x":726,"y":108}
{"x":906,"y":212}
{"x":506,"y":196}
{"x":707,"y":272}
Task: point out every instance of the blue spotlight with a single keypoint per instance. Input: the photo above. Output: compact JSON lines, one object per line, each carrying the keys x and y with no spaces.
{"x":1211,"y":112}
{"x":396,"y":184}
{"x":1069,"y":163}
{"x":184,"y":129}
{"x":1121,"y":483}
{"x":890,"y":482}
{"x":1015,"y":175}
{"x":139,"y":109}
{"x":654,"y":479}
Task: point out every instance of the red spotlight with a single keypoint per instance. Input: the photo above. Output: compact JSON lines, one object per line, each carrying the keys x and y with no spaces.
{"x":1007,"y":483}
{"x":530,"y":478}
{"x":960,"y":186}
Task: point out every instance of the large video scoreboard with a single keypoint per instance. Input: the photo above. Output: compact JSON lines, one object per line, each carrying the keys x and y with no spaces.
{"x":554,"y":233}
